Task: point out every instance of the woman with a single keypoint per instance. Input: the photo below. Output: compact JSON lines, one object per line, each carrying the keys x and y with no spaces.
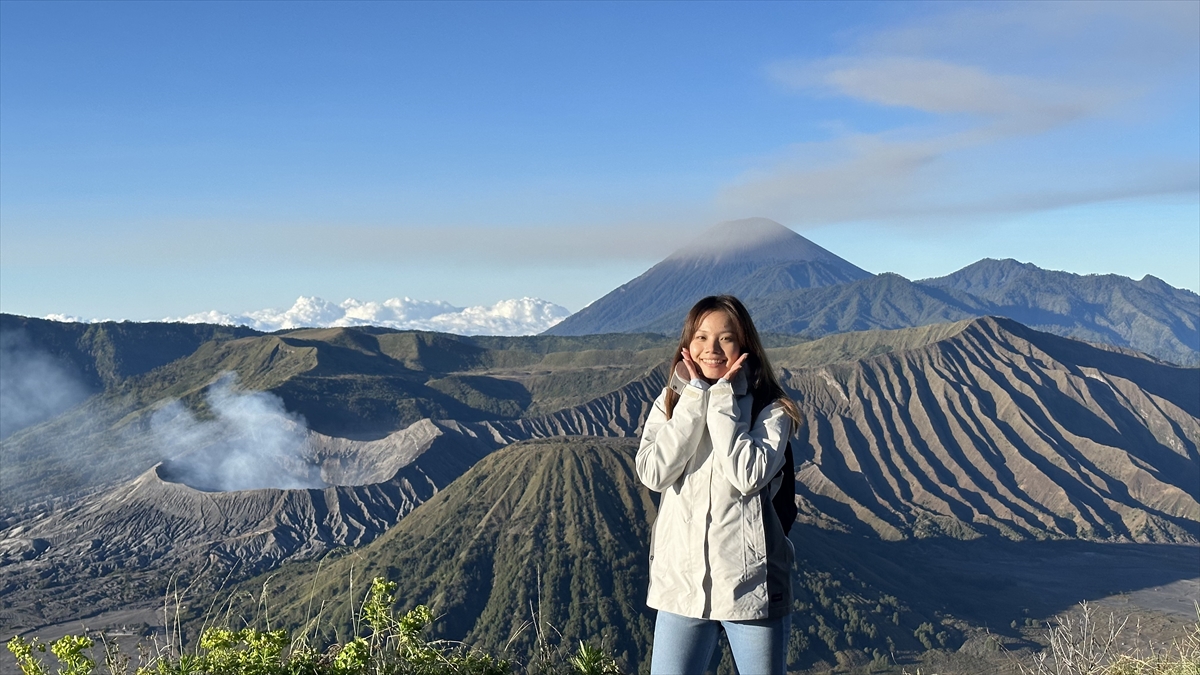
{"x":718,"y":553}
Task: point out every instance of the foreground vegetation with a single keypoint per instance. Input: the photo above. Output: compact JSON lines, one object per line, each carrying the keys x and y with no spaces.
{"x":384,"y":644}
{"x":1089,"y":644}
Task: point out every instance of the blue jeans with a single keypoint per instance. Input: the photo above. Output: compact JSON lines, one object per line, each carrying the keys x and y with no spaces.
{"x":684,"y":646}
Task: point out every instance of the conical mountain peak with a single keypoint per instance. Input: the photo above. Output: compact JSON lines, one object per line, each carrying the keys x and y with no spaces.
{"x":749,"y":258}
{"x":752,"y":240}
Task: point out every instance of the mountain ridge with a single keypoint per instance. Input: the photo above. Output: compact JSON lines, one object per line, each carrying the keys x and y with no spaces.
{"x":1001,"y":429}
{"x":1146,"y":314}
{"x":793,"y":286}
{"x":1163,"y":324}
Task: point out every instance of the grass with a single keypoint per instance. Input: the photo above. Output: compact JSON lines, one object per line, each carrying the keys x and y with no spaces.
{"x":1087,"y":643}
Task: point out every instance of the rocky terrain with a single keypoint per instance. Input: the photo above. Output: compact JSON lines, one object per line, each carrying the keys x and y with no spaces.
{"x":998,"y":429}
{"x":118,"y":545}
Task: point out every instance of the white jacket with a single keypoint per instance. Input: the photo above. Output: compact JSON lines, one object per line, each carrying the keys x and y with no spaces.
{"x":717,"y":550}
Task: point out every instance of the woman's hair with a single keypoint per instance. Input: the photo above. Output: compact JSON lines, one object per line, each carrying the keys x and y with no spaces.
{"x":763,"y":384}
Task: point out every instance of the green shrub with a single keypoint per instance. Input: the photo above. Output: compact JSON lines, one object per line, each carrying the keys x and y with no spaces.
{"x":390,"y":646}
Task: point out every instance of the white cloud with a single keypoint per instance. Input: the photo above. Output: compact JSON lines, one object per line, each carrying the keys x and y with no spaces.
{"x":70,"y":318}
{"x":526,"y":316}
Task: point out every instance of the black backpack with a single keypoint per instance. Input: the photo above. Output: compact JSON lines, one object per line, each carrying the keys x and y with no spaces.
{"x":784,"y":501}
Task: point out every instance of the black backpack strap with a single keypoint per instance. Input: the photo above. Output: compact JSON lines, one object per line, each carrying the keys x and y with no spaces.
{"x":784,"y":501}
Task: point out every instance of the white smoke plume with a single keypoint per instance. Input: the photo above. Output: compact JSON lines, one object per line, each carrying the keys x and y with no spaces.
{"x":250,"y":442}
{"x":34,"y":385}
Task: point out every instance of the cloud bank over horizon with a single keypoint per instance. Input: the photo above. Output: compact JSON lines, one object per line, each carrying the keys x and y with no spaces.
{"x":523,"y":316}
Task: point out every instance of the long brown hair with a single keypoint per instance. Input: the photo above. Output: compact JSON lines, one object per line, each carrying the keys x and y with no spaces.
{"x":760,"y":377}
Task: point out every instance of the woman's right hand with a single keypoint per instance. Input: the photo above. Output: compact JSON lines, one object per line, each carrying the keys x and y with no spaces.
{"x":693,"y":372}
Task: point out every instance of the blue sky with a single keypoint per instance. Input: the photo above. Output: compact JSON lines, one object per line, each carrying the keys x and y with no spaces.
{"x":159,"y":159}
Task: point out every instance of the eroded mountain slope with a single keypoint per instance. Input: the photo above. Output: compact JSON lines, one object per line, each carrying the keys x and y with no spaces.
{"x":1001,"y":429}
{"x":556,"y":532}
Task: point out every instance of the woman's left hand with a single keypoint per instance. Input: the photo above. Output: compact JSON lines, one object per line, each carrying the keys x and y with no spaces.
{"x":733,"y":370}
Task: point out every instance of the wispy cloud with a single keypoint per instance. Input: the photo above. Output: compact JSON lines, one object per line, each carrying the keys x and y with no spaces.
{"x":1011,"y":103}
{"x":1016,"y":113}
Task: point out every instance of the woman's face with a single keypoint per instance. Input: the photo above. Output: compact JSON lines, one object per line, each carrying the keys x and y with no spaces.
{"x":714,"y":346}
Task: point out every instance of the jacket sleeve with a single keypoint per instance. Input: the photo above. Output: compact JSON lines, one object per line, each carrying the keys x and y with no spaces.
{"x":749,"y":456}
{"x":668,"y":444}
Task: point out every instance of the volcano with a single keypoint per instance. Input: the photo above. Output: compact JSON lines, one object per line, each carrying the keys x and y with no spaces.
{"x":749,"y":258}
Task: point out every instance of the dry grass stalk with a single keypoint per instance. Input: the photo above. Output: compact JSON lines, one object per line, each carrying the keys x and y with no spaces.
{"x":1088,"y":644}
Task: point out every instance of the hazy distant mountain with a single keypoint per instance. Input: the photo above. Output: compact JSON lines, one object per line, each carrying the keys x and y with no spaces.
{"x":105,"y":353}
{"x":751,"y":257}
{"x":885,"y":301}
{"x":794,"y":286}
{"x":1148,"y":315}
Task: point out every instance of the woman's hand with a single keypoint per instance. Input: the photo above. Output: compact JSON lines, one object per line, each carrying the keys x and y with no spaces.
{"x":733,"y":370}
{"x":693,"y":371}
